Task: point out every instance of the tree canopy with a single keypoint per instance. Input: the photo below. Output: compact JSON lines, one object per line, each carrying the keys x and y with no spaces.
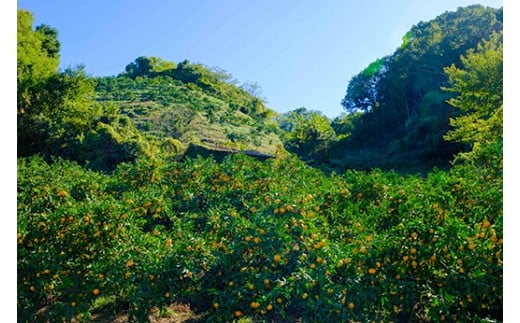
{"x":57,"y":113}
{"x":405,"y":111}
{"x":479,"y":88}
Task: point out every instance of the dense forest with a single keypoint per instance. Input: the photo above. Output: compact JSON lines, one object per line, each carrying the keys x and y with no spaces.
{"x":171,"y":187}
{"x":397,"y":110}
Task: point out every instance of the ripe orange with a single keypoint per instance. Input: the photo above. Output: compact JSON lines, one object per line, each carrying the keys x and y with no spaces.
{"x":62,"y":194}
{"x":95,"y":291}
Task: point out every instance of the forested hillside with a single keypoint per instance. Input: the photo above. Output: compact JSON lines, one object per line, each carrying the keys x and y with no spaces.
{"x":154,"y":108}
{"x":398,"y":109}
{"x":186,"y":104}
{"x":136,"y":196}
{"x":403,"y":96}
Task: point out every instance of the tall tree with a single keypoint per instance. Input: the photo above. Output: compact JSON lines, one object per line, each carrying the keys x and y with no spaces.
{"x":148,"y":66}
{"x":405,"y":111}
{"x":307,"y":133}
{"x":36,"y":57}
{"x":52,"y":106}
{"x":57,"y":114}
{"x":479,"y":85}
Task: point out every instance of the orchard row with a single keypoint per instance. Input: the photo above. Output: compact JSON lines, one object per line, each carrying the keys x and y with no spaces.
{"x":269,"y":240}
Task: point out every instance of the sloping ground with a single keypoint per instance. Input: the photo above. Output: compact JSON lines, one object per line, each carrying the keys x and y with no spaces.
{"x":162,"y":108}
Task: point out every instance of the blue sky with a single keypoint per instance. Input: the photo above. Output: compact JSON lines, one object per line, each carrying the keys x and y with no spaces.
{"x":300,"y":52}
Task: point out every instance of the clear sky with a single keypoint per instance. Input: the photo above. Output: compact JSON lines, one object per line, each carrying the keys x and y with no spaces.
{"x":300,"y":52}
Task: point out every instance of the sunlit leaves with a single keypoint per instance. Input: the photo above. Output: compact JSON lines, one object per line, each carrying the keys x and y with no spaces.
{"x":479,"y":85}
{"x":364,"y":246}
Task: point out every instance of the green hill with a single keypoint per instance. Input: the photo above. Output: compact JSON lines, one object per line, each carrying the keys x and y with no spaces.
{"x":190,"y":104}
{"x":398,"y":109}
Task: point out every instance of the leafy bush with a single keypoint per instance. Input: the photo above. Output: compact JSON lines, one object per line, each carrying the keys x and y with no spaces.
{"x":269,"y":240}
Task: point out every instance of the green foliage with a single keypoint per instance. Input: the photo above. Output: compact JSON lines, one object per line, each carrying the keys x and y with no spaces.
{"x":112,"y":141}
{"x":194,"y":105}
{"x":374,"y":67}
{"x":190,"y":103}
{"x":307,"y":133}
{"x":361,"y":93}
{"x":57,"y":108}
{"x":171,"y":146}
{"x":479,"y":85}
{"x":406,"y":39}
{"x":57,"y":115}
{"x":50,"y":41}
{"x":37,"y":55}
{"x":271,"y":241}
{"x":405,"y":111}
{"x":148,"y":66}
{"x":344,"y":124}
